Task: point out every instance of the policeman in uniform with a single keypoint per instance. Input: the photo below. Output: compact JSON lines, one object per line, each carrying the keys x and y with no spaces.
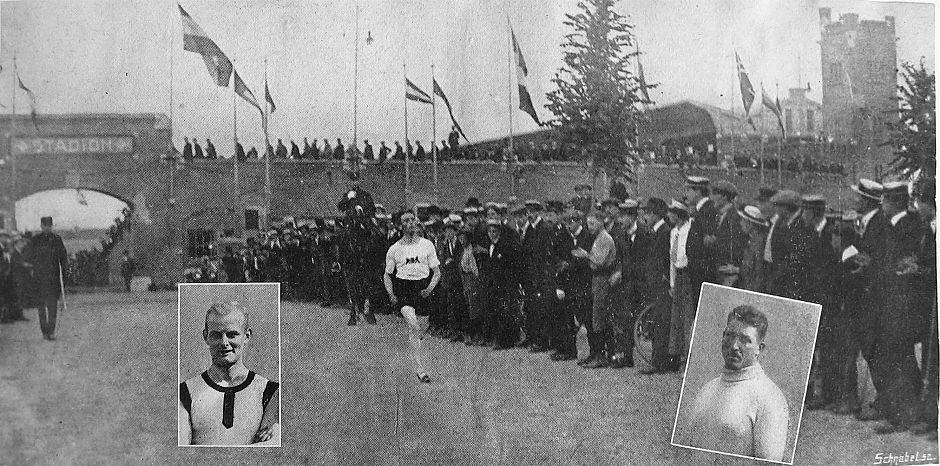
{"x":46,"y":253}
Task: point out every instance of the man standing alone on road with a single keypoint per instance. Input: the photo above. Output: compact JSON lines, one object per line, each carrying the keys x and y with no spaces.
{"x":46,"y":253}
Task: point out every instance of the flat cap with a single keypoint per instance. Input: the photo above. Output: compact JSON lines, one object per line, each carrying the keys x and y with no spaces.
{"x":786,"y":197}
{"x":696,"y":181}
{"x":813,"y":201}
{"x":725,"y":187}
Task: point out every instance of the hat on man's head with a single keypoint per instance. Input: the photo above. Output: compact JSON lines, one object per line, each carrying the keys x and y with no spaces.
{"x":813,"y":201}
{"x":629,"y":206}
{"x":698,"y":182}
{"x":754,"y":215}
{"x":493,"y":223}
{"x":46,"y":221}
{"x":534,"y":205}
{"x":452,"y":221}
{"x":871,"y":190}
{"x":764,"y":193}
{"x":656,"y":205}
{"x":725,"y":187}
{"x":897,"y":191}
{"x":786,"y":197}
{"x":471,"y":210}
{"x":677,"y":206}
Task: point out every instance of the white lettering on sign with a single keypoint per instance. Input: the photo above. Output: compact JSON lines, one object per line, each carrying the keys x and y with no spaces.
{"x":73,"y":145}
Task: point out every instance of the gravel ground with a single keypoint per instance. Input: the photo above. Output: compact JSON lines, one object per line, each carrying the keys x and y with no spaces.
{"x":105,"y":393}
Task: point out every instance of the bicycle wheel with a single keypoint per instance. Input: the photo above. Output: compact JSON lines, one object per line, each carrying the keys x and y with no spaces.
{"x":643,"y":334}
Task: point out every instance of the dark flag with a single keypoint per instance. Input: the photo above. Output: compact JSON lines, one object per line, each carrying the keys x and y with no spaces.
{"x":196,"y":40}
{"x":267,"y":96}
{"x":31,"y":96}
{"x":773,"y":106}
{"x":525,"y":101}
{"x":747,"y":90}
{"x":413,"y":92}
{"x":440,"y":93}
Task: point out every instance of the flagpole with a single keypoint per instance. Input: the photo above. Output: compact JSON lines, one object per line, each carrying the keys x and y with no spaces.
{"x":12,"y":133}
{"x":732,"y":107}
{"x":779,"y":146}
{"x":267,"y":143}
{"x":404,"y":72}
{"x":238,"y":194}
{"x":434,"y":133}
{"x":510,"y":155}
{"x":356,"y":86}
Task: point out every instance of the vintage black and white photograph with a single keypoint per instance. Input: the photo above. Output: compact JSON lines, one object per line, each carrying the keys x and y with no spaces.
{"x":229,"y":364}
{"x":747,"y":374}
{"x":490,"y":223}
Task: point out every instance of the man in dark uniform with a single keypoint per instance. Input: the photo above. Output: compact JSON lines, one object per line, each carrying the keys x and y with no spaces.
{"x":197,"y":149}
{"x":46,"y":253}
{"x":726,"y":249}
{"x":501,"y":269}
{"x":790,"y":251}
{"x":536,"y":276}
{"x":339,"y":152}
{"x":899,"y":319}
{"x":281,"y":152}
{"x":367,"y":153}
{"x":632,"y":248}
{"x":833,"y":326}
{"x":210,"y":150}
{"x":187,"y":149}
{"x":872,"y":227}
{"x":294,"y":150}
{"x":656,"y":293}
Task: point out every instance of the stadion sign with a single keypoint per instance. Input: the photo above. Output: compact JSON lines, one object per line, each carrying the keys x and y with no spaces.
{"x":77,"y":145}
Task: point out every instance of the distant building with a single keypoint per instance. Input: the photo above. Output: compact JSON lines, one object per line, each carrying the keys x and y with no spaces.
{"x":859,"y":75}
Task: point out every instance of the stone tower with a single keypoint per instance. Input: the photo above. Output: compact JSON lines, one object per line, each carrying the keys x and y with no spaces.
{"x":859,"y":75}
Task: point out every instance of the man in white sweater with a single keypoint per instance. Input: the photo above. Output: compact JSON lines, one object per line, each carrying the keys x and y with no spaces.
{"x":740,"y":412}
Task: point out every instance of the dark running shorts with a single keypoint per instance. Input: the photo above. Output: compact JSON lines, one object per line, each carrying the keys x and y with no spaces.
{"x":408,"y":293}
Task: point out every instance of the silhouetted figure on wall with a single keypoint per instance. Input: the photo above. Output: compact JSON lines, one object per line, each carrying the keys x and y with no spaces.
{"x":383,"y":152}
{"x":281,"y":150}
{"x":367,"y":153}
{"x":294,"y":150}
{"x":210,"y":150}
{"x":187,"y":149}
{"x":197,"y":149}
{"x":239,"y":152}
{"x":399,"y":152}
{"x":339,"y":152}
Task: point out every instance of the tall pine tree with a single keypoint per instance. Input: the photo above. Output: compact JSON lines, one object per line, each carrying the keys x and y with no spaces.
{"x":914,"y":134}
{"x":597,"y":101}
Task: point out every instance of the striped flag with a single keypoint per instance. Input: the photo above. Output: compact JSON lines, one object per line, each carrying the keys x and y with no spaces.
{"x":413,"y":92}
{"x":774,"y":107}
{"x":440,"y":93}
{"x":196,"y":40}
{"x":242,"y":90}
{"x":525,"y":101}
{"x":30,"y":95}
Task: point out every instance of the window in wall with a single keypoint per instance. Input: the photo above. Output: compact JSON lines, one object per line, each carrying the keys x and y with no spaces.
{"x":810,"y":121}
{"x":199,"y":242}
{"x":252,"y":219}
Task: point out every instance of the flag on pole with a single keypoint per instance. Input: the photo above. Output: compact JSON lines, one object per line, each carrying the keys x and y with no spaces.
{"x":413,"y":92}
{"x":242,"y":90}
{"x":747,"y":90}
{"x":267,"y":96}
{"x":196,"y":40}
{"x":440,"y":93}
{"x":525,"y":101}
{"x":30,"y":95}
{"x":643,"y":87}
{"x":774,"y":107}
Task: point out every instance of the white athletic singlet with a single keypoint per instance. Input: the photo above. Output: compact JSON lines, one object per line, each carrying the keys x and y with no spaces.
{"x":225,"y":415}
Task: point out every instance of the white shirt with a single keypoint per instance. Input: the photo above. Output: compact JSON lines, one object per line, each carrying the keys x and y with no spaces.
{"x":659,"y":225}
{"x":867,"y":218}
{"x":701,"y":202}
{"x":768,"y":254}
{"x":897,"y":218}
{"x":741,"y":412}
{"x":412,"y":261}
{"x":821,"y":225}
{"x":678,"y":259}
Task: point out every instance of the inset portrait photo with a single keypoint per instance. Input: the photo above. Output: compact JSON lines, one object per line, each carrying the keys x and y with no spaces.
{"x":745,"y":381}
{"x":229,"y":364}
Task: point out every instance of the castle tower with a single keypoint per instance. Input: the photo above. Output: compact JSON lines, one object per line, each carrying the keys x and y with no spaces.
{"x":859,"y":75}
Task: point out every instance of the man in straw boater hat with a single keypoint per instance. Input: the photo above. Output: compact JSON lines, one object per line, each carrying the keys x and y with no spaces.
{"x":49,"y":261}
{"x":686,"y":273}
{"x":864,"y":275}
{"x":899,"y":321}
{"x":752,"y":274}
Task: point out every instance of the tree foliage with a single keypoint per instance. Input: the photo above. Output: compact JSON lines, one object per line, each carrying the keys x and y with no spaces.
{"x":914,"y":134}
{"x":598,"y":96}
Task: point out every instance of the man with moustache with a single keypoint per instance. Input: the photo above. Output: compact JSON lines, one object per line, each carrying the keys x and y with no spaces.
{"x":228,"y":404}
{"x":742,"y":411}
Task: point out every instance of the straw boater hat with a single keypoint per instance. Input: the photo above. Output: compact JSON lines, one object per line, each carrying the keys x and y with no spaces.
{"x":754,"y":215}
{"x":696,"y":182}
{"x":813,"y":201}
{"x":869,"y":189}
{"x":898,"y":191}
{"x":629,"y":206}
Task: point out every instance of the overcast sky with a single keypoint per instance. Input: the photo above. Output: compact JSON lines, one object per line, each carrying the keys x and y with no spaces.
{"x":115,"y":57}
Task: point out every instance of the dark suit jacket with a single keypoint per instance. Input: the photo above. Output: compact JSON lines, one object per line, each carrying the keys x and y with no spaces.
{"x":450,"y":262}
{"x":731,"y":240}
{"x":500,"y":272}
{"x":902,"y":242}
{"x":46,"y":253}
{"x":790,"y":271}
{"x":656,"y":264}
{"x":707,"y":217}
{"x":537,"y":258}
